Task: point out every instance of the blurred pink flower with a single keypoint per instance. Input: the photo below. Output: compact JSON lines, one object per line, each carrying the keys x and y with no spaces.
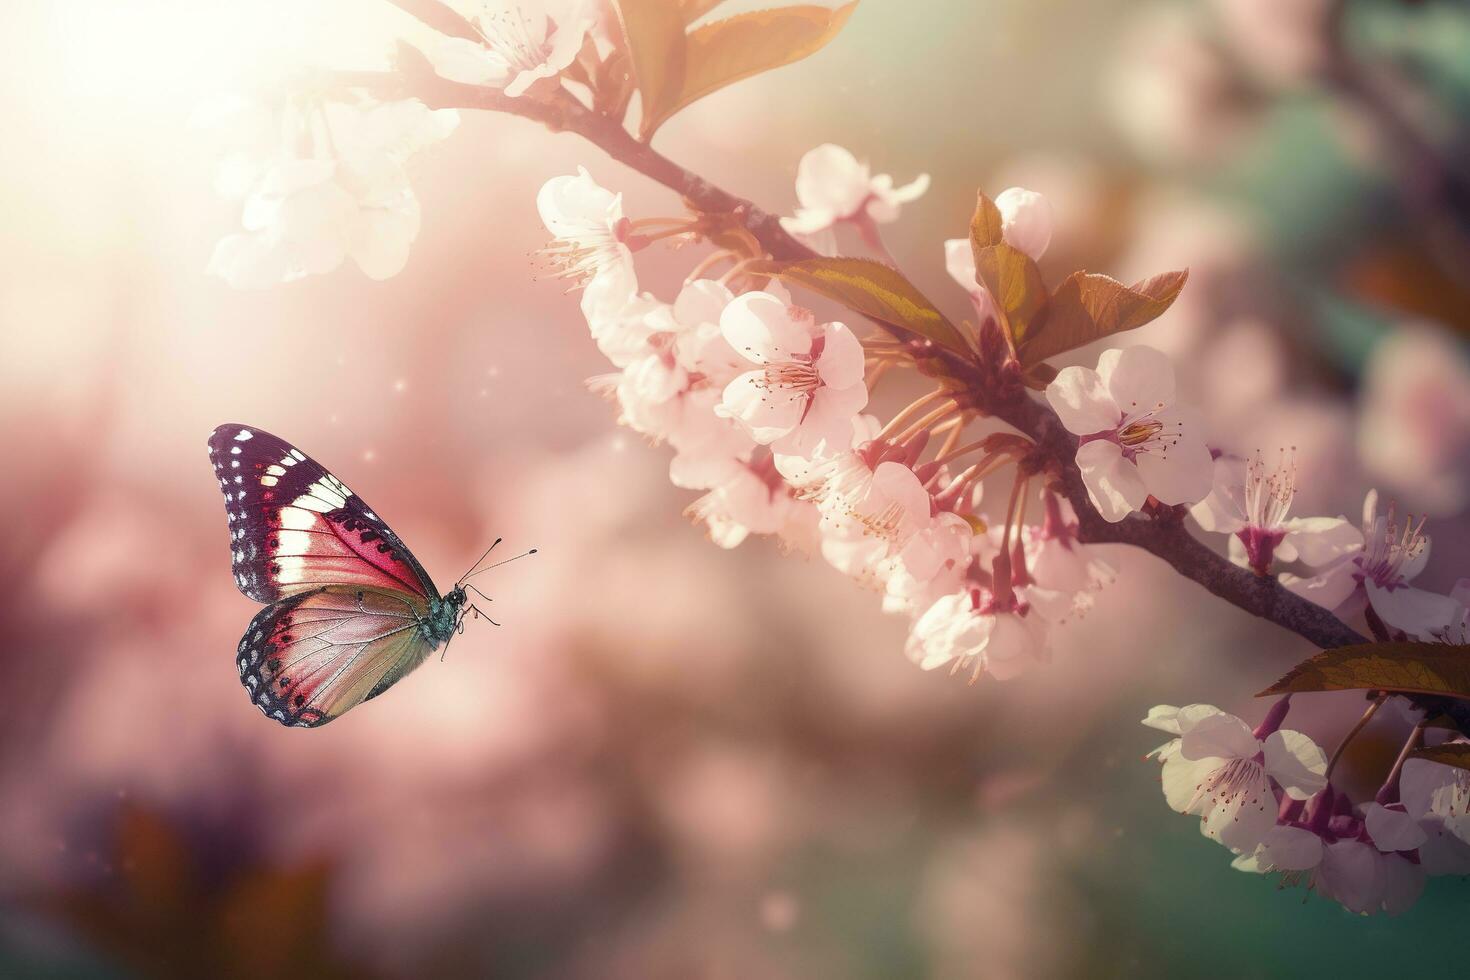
{"x":321,"y":182}
{"x":1284,"y":41}
{"x":1172,"y":92}
{"x":1414,"y":430}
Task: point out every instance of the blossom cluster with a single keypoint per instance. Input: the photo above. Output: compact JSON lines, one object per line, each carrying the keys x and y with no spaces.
{"x":1265,"y":794}
{"x":764,"y":407}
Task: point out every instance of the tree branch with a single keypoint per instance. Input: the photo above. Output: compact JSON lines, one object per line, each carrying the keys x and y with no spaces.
{"x":1163,"y":535}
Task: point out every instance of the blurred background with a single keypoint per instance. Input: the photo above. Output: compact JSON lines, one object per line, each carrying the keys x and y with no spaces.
{"x":674,"y":761}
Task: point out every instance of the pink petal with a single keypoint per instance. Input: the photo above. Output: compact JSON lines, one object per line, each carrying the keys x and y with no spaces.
{"x":841,"y":364}
{"x":1080,"y":398}
{"x":1113,"y":483}
{"x":1183,"y":475}
{"x":1140,"y":379}
{"x":762,"y":328}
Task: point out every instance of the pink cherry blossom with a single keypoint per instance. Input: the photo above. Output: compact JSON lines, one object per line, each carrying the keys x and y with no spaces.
{"x":1367,"y":865}
{"x":590,"y":234}
{"x":748,"y":502}
{"x":1388,"y":555}
{"x":1135,"y":442}
{"x":1437,"y":796}
{"x":1250,"y":501}
{"x":521,"y":42}
{"x":972,"y":630}
{"x":1221,"y":770}
{"x":808,"y":383}
{"x":832,"y":186}
{"x":1057,"y":560}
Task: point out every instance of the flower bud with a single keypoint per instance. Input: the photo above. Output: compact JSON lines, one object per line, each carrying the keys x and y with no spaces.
{"x":1026,"y":221}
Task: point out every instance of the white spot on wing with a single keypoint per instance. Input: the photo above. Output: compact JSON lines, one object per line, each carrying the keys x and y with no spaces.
{"x":295,"y":518}
{"x":293,"y":543}
{"x":291,"y":567}
{"x":243,"y":435}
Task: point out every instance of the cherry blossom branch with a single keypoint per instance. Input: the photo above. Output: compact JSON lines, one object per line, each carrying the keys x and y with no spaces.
{"x":1162,"y":533}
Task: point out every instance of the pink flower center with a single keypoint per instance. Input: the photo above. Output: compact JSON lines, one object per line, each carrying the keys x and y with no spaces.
{"x":800,"y":375}
{"x":1269,"y":493}
{"x":1387,"y":548}
{"x":1230,"y":782}
{"x":1143,"y":433}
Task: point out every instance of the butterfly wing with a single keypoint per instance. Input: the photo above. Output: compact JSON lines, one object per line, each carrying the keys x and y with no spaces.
{"x":294,"y":527}
{"x":307,"y":658}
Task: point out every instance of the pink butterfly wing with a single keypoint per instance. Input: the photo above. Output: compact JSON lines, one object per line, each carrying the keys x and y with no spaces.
{"x":295,"y":527}
{"x":313,"y":655}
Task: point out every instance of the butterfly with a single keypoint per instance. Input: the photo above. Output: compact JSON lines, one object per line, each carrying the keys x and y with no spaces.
{"x":349,"y":610}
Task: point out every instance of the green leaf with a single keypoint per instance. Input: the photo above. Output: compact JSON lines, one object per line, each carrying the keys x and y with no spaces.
{"x":1411,"y":668}
{"x":738,"y":47}
{"x":1455,"y":754}
{"x":1089,"y":307}
{"x":873,"y":289}
{"x":1015,"y":283}
{"x":654,"y":31}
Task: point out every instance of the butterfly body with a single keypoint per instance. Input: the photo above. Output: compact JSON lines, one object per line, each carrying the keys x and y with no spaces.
{"x":443,"y":618}
{"x":349,"y":610}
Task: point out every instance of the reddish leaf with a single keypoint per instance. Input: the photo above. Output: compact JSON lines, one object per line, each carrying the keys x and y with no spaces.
{"x":654,"y":32}
{"x":1015,"y":283}
{"x":1455,"y":754}
{"x":1088,"y":307}
{"x":737,"y":47}
{"x":1411,"y":668}
{"x":985,"y":224}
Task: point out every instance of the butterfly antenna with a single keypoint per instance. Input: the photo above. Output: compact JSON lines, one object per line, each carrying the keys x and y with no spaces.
{"x":507,"y":561}
{"x":480,"y":559}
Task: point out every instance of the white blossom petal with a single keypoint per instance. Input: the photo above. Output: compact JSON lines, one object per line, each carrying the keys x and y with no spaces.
{"x":1140,"y":379}
{"x":763,"y":329}
{"x":1392,"y":830}
{"x":1415,"y":611}
{"x":1113,"y":483}
{"x":1081,"y":400}
{"x":841,"y":364}
{"x":1183,"y":475}
{"x":1296,"y":762}
{"x":1318,"y":540}
{"x":1220,"y":735}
